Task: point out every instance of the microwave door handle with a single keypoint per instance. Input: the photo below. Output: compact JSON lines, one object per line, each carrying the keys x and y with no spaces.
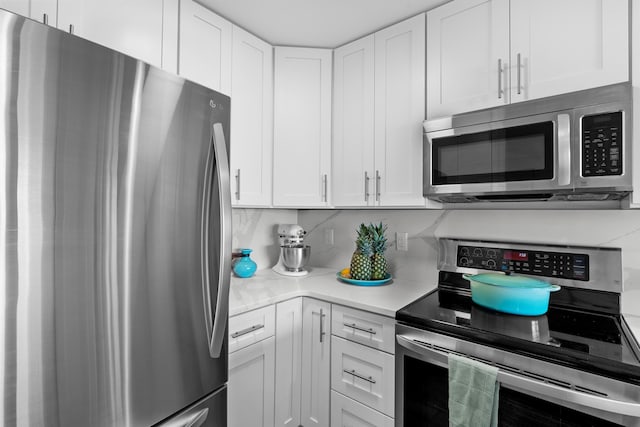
{"x":439,"y":357}
{"x":564,"y":149}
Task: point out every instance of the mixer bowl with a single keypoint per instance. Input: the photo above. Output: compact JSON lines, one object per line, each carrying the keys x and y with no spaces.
{"x":295,"y":257}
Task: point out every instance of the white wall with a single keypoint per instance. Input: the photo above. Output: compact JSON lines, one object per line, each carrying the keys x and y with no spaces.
{"x":256,"y":229}
{"x":598,"y":228}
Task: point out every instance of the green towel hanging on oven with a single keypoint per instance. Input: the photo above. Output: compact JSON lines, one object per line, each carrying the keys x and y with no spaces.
{"x":473,"y":393}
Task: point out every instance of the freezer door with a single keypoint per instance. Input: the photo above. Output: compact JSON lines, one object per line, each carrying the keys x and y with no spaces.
{"x":112,"y":236}
{"x":208,"y":412}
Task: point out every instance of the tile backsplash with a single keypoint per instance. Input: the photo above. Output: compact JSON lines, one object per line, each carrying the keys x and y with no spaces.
{"x":255,"y":228}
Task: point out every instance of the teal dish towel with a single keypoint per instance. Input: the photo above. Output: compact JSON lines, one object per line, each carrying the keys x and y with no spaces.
{"x":473,"y":393}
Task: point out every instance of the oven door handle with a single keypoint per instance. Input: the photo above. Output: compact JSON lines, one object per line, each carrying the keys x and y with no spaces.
{"x":440,"y":358}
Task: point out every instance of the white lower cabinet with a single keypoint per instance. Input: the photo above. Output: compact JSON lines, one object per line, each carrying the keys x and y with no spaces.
{"x":290,"y":365}
{"x":316,"y":362}
{"x":364,"y":374}
{"x":251,"y":385}
{"x":347,"y":412}
{"x":288,"y":362}
{"x":362,"y":368}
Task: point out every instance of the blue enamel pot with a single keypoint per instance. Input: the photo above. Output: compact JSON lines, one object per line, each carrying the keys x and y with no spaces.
{"x":512,"y":294}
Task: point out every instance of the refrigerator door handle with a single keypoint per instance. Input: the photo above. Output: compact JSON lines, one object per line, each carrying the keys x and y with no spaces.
{"x":199,"y":419}
{"x":191,"y":420}
{"x":216,"y":322}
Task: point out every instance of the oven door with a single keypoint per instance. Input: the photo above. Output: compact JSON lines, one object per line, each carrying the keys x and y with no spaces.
{"x":523,"y":155}
{"x":532,"y":392}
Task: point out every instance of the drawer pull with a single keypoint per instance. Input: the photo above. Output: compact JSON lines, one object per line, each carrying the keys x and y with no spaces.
{"x":357,"y":375}
{"x":359,"y":328}
{"x":246,"y":331}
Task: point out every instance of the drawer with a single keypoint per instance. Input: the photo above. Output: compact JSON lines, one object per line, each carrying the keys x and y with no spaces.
{"x":363,"y":327}
{"x":363,"y":374}
{"x":251,"y":327}
{"x":347,"y":412}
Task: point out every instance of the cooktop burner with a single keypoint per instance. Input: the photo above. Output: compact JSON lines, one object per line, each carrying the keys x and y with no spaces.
{"x":572,"y":332}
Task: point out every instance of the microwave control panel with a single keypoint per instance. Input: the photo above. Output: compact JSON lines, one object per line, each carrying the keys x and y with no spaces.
{"x":602,"y":144}
{"x":571,"y":266}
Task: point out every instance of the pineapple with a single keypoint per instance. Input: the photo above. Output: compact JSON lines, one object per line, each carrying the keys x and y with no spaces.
{"x":379,"y":245}
{"x":361,"y":260}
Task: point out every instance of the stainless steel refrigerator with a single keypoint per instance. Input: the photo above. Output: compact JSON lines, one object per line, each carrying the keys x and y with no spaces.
{"x":115,"y":235}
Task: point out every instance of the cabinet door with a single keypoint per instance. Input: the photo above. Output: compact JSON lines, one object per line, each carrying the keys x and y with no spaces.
{"x":130,"y":27}
{"x":302,"y":127}
{"x":467,"y":56}
{"x":560,"y":46}
{"x":45,"y":11}
{"x":347,"y":412}
{"x":251,"y":385}
{"x":288,"y":362}
{"x":316,"y":362}
{"x":251,"y":119}
{"x":205,"y":47}
{"x":353,"y":102}
{"x":399,"y":112}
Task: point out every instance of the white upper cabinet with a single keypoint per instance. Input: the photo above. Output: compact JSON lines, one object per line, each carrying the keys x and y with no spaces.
{"x":205,"y":47}
{"x":133,"y":27}
{"x":45,"y":11}
{"x":467,"y":55}
{"x":353,"y":130}
{"x":399,"y":112}
{"x":485,"y":53}
{"x":565,"y":50}
{"x":130,"y":27}
{"x":378,"y":112}
{"x":251,"y":120}
{"x":302,"y":127}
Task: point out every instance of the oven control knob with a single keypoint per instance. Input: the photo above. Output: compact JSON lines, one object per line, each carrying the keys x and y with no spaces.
{"x":491,"y":263}
{"x":464,"y":261}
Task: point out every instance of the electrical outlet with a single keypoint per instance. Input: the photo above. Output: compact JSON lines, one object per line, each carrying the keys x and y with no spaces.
{"x":402,"y":241}
{"x":328,"y":236}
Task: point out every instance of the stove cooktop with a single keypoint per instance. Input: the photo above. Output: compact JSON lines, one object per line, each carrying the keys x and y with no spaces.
{"x":595,"y":339}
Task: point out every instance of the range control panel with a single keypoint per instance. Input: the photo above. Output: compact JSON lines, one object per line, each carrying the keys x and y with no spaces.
{"x":572,"y":266}
{"x":602,"y":144}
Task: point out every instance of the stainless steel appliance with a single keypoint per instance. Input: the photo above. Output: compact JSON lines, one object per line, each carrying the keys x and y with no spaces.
{"x":574,"y":147}
{"x":294,"y":254}
{"x":576,"y":365}
{"x":114,"y":237}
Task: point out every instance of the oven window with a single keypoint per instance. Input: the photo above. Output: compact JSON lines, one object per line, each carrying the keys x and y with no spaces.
{"x":426,"y":390}
{"x":511,"y":154}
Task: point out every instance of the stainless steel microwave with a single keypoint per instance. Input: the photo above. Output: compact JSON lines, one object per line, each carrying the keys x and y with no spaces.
{"x":575,"y":146}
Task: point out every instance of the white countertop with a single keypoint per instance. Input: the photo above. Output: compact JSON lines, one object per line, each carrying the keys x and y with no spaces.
{"x":268,"y":287}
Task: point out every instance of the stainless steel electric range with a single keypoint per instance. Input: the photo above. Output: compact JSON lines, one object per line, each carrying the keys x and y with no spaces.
{"x":576,"y":365}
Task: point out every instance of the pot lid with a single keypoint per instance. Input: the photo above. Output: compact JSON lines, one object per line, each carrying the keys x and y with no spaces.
{"x":505,"y":280}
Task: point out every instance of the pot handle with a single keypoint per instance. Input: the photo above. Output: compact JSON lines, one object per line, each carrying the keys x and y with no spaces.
{"x":553,"y":288}
{"x":467,"y":276}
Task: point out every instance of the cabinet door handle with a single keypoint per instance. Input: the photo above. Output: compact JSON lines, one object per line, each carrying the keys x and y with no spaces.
{"x":360,"y":328}
{"x":499,"y":78}
{"x":357,"y":375}
{"x":322,"y":332}
{"x":366,"y":186}
{"x":45,"y":19}
{"x":238,"y":185}
{"x":518,"y":64}
{"x":246,"y":331}
{"x":324,"y":188}
{"x":70,"y":28}
{"x":377,"y":186}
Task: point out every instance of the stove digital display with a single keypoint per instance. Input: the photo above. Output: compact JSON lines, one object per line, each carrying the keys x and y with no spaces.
{"x":516,"y":256}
